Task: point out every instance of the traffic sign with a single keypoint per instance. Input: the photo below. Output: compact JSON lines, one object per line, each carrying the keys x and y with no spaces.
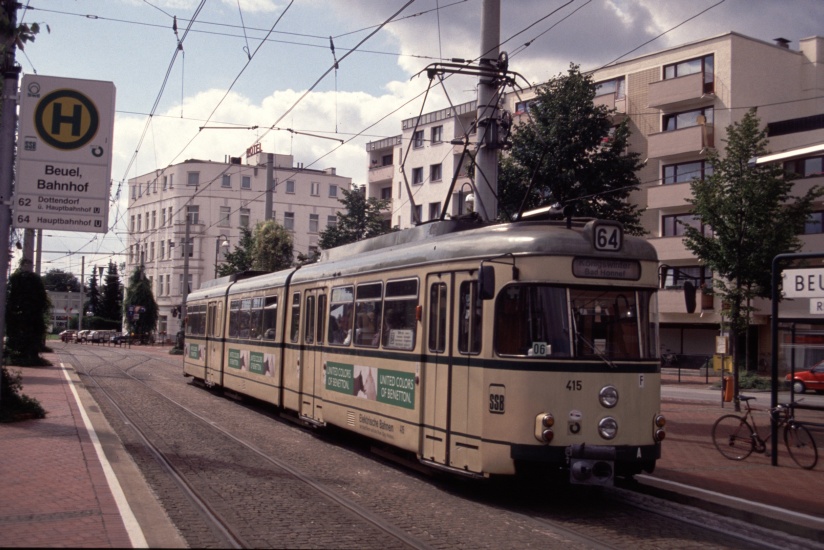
{"x":803,"y":283}
{"x":64,"y":160}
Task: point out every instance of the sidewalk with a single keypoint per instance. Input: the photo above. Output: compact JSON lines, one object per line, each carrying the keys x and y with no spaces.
{"x":55,"y":492}
{"x":66,"y":486}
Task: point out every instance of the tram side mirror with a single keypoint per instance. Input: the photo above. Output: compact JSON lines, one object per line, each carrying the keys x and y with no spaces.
{"x":486,"y":282}
{"x":689,"y":296}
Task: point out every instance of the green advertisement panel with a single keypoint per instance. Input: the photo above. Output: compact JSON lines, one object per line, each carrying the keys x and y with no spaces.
{"x":339,"y":377}
{"x":194,"y":351}
{"x":256,"y":362}
{"x":384,"y":386}
{"x":234,"y":358}
{"x":396,"y":388}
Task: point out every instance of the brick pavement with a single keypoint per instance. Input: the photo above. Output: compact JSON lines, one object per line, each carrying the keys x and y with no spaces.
{"x":53,"y":492}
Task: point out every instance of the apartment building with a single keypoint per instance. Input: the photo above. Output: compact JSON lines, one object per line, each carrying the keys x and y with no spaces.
{"x":415,"y":169}
{"x":220,"y":198}
{"x":678,"y":103}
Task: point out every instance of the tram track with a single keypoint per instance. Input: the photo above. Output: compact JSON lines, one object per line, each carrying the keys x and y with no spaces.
{"x":539,"y":515}
{"x":230,"y":533}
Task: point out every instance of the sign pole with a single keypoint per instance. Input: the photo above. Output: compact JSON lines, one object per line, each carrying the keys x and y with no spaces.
{"x":8,"y":125}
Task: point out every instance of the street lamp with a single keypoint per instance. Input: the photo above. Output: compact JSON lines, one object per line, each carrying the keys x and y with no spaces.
{"x":221,"y":242}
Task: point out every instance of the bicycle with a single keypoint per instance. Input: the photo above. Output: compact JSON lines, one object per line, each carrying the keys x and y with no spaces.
{"x":736,"y":437}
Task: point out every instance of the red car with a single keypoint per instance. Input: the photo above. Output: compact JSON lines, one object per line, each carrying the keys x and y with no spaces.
{"x":812,"y":379}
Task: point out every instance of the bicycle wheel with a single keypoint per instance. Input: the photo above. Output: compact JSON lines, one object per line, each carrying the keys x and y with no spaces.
{"x":732,"y":436}
{"x":801,"y":445}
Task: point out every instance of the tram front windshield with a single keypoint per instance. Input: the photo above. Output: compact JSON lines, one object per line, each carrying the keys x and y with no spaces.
{"x":534,"y":320}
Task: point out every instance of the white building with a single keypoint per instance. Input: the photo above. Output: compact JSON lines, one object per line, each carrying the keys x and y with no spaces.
{"x":220,"y":198}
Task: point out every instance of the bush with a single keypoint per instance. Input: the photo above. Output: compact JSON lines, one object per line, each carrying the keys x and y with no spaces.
{"x":13,"y":404}
{"x":751,"y":381}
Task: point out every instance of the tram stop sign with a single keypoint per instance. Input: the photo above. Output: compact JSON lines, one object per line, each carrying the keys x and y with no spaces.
{"x":64,"y":154}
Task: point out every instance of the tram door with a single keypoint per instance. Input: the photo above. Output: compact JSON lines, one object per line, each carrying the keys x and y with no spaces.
{"x":214,"y":342}
{"x":435,"y":375}
{"x":311,"y":363}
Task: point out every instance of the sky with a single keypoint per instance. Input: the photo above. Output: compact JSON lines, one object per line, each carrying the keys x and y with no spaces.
{"x":182,"y":68}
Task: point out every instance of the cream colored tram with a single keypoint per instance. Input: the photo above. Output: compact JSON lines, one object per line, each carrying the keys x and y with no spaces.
{"x":484,"y":351}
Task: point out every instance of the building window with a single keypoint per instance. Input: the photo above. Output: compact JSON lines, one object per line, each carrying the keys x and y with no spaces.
{"x":315,"y":189}
{"x":685,"y":172}
{"x":162,"y":217}
{"x":168,"y":284}
{"x":244,"y":217}
{"x":132,"y":225}
{"x":687,"y":119}
{"x":180,"y":283}
{"x":193,"y":178}
{"x":227,"y":181}
{"x":139,"y":223}
{"x":417,"y":176}
{"x":616,"y":86}
{"x":699,"y":65}
{"x":171,"y":181}
{"x":165,"y":183}
{"x":333,"y":191}
{"x":151,"y":251}
{"x":696,"y":274}
{"x":171,"y":214}
{"x":190,"y":248}
{"x":192,"y":213}
{"x":814,"y":224}
{"x":417,"y":216}
{"x":245,"y":182}
{"x":331,"y":221}
{"x":434,"y":210}
{"x":386,"y":193}
{"x":436,"y":134}
{"x":289,"y":221}
{"x":225,"y":213}
{"x":673,"y":226}
{"x":804,"y":168}
{"x":154,"y":219}
{"x":386,"y":160}
{"x":162,"y":250}
{"x":417,"y":139}
{"x":435,"y":172}
{"x":314,"y":222}
{"x":290,"y":186}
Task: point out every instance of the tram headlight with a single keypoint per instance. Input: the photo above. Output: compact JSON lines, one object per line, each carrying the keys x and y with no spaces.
{"x":543,"y":427}
{"x":608,"y":427}
{"x":660,"y":421}
{"x":608,"y":396}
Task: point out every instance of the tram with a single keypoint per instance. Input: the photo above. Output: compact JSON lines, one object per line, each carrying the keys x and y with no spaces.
{"x":484,"y":350}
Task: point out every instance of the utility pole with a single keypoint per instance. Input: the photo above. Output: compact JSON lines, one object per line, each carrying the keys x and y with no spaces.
{"x":8,"y":125}
{"x":82,"y":293}
{"x":184,"y":291}
{"x":486,"y":160}
{"x":270,"y":185}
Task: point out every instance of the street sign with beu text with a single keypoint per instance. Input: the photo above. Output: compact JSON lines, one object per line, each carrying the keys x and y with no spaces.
{"x":64,"y":154}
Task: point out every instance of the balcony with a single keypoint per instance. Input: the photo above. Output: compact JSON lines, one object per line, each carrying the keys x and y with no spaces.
{"x":681,"y":143}
{"x":381,"y":173}
{"x":613,"y":102}
{"x":671,"y":249}
{"x":666,"y":196}
{"x":675,"y":94}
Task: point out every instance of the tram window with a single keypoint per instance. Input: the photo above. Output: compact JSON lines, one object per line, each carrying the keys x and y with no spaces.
{"x":196,"y":320}
{"x":399,"y":322}
{"x":606,"y":323}
{"x":341,"y":307}
{"x":437,"y":318}
{"x":295,"y":326}
{"x":368,"y":314}
{"x":309,"y":328}
{"x":470,"y":317}
{"x":234,"y":318}
{"x":256,"y":319}
{"x":270,"y":317}
{"x":321,"y":329}
{"x":244,"y":318}
{"x":532,"y":320}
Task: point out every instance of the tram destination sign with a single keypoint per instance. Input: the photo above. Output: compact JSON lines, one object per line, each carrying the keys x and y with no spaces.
{"x":603,"y":268}
{"x":64,"y":154}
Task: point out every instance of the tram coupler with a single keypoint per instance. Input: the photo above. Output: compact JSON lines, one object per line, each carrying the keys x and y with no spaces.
{"x":591,"y":464}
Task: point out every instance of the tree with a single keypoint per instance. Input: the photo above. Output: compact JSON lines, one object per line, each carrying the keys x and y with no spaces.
{"x":94,"y":304}
{"x":27,"y":317}
{"x":272,"y":250}
{"x":363,"y":219}
{"x":57,"y":280}
{"x":241,"y":259}
{"x":748,"y":217}
{"x":570,"y":153}
{"x":139,"y":305}
{"x":112,"y":302}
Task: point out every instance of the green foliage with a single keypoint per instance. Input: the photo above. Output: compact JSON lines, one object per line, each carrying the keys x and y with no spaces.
{"x":363,"y":220}
{"x":272,"y":249}
{"x":753,"y":217}
{"x":572,"y":154}
{"x":27,"y":317}
{"x":240,"y":259}
{"x":111,"y":304}
{"x":139,"y":295}
{"x":14,"y":405}
{"x":57,"y":280}
{"x":751,"y":381}
{"x":93,"y":304}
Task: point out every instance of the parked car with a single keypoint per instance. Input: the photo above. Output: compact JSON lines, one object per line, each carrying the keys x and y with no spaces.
{"x":810,"y":379}
{"x":119,"y":339}
{"x":100,"y":336}
{"x":67,"y":335}
{"x":82,"y":336}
